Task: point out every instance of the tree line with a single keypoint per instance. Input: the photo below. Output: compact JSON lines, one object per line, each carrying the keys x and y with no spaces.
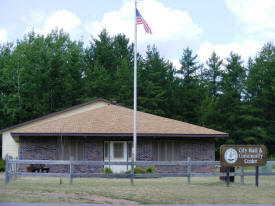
{"x":43,"y":74}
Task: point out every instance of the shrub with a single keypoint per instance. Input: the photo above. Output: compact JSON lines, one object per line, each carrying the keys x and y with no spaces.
{"x":107,"y":170}
{"x":138,"y":170}
{"x":150,"y":170}
{"x":127,"y":172}
{"x":2,"y":165}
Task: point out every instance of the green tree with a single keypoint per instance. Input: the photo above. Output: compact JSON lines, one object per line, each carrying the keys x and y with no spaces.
{"x":209,"y":113}
{"x":41,"y":75}
{"x":154,"y":78}
{"x":190,"y":92}
{"x":213,"y":74}
{"x":260,"y":97}
{"x":104,"y":61}
{"x":230,"y":102}
{"x":124,"y":83}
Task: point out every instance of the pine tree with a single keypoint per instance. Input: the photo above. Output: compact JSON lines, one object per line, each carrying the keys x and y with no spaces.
{"x":260,"y":97}
{"x":230,"y":102}
{"x":191,"y":92}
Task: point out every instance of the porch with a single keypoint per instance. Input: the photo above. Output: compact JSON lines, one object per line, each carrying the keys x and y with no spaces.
{"x":116,"y":149}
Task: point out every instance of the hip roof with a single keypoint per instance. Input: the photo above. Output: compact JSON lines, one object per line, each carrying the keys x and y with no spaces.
{"x":115,"y":120}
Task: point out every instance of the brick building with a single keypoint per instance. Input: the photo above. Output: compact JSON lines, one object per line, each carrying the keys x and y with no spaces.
{"x":102,"y":130}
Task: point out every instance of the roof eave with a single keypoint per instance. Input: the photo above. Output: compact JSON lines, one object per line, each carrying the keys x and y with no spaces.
{"x":119,"y":134}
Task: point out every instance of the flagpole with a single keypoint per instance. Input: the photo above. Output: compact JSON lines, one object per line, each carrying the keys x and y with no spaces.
{"x":135,"y":99}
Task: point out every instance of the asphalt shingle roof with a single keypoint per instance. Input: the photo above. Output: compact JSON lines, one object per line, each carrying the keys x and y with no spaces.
{"x":114,"y":119}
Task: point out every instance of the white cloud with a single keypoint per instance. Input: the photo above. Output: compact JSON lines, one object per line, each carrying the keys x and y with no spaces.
{"x":245,"y":49}
{"x":166,"y":23}
{"x":254,"y":15}
{"x":61,"y":19}
{"x":256,"y":19}
{"x":176,"y":63}
{"x":3,"y":35}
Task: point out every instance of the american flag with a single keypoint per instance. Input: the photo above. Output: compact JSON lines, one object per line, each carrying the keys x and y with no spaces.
{"x":141,"y":20}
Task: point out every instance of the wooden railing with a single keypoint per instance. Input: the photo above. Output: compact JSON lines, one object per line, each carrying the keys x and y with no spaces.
{"x":12,"y":169}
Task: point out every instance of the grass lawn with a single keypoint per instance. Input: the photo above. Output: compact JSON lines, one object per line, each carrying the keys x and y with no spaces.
{"x":207,"y":190}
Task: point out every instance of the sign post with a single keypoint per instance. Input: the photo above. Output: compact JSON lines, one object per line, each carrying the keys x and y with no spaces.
{"x":227,"y":176}
{"x":243,"y":155}
{"x":257,"y":176}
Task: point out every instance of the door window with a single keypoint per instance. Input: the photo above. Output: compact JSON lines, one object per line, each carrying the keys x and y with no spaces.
{"x":118,"y":150}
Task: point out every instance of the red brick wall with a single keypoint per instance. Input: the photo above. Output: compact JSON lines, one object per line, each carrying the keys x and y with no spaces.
{"x":45,"y":148}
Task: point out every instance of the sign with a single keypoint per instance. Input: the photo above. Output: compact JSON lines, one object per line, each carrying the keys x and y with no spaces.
{"x":243,"y":155}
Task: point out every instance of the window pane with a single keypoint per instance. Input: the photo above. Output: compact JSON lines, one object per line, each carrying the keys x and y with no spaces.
{"x":162,"y":151}
{"x":155,"y":151}
{"x":66,"y":148}
{"x":177,"y":151}
{"x":80,"y":150}
{"x":129,"y":150}
{"x":106,"y":150}
{"x":118,"y":150}
{"x":69,"y":147}
{"x":73,"y":151}
{"x":166,"y":150}
{"x":169,"y":150}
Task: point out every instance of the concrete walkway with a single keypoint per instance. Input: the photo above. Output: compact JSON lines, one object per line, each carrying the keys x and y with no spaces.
{"x":56,"y":204}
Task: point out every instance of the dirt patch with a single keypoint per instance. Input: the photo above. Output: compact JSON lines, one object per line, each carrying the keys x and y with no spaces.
{"x":102,"y":199}
{"x":69,"y":197}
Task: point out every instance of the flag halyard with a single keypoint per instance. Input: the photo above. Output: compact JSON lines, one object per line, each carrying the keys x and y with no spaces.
{"x":141,"y":20}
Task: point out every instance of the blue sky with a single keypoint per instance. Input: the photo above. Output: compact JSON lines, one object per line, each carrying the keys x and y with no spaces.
{"x":242,"y":26}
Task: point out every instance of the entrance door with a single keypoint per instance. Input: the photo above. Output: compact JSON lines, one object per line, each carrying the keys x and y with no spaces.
{"x":118,"y":153}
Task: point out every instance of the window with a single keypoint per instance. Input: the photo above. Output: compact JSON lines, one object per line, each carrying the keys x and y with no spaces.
{"x":118,"y":150}
{"x":166,"y":150}
{"x":71,"y":147}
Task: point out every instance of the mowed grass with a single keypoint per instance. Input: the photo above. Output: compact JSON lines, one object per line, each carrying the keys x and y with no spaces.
{"x":203,"y":190}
